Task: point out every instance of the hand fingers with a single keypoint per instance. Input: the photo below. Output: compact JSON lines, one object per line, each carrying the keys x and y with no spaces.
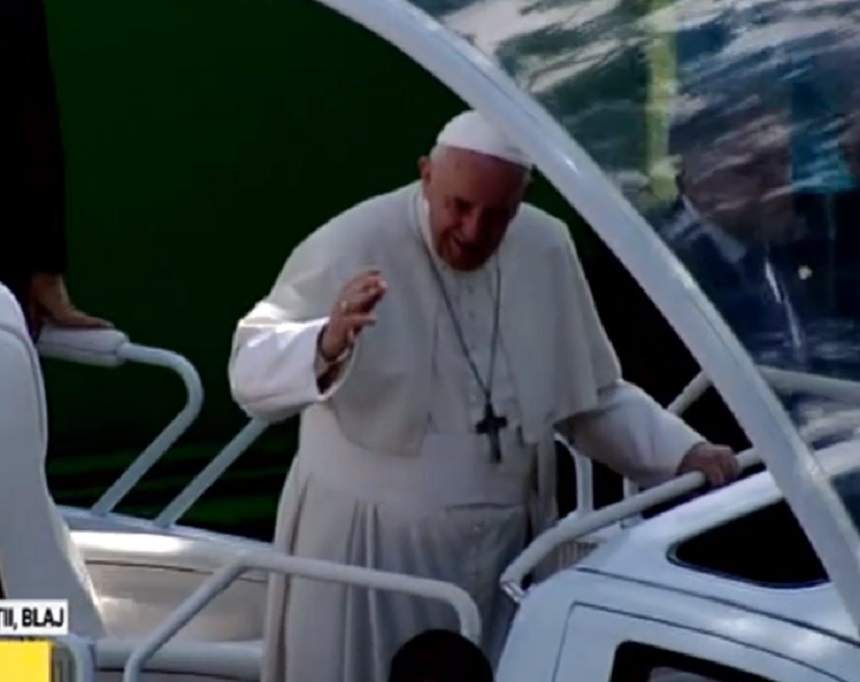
{"x":362,"y":276}
{"x":356,"y":323}
{"x":729,"y":465}
{"x":364,"y":290}
{"x":364,"y":281}
{"x":722,"y":469}
{"x":363,"y":300}
{"x":714,"y":474}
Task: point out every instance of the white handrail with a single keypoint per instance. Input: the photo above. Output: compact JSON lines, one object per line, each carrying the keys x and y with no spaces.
{"x":585,"y":469}
{"x":201,"y":483}
{"x":82,"y":657}
{"x":179,"y":424}
{"x":688,"y":395}
{"x":584,"y":475}
{"x":111,"y":348}
{"x":783,"y":380}
{"x":459,"y":599}
{"x":574,"y":526}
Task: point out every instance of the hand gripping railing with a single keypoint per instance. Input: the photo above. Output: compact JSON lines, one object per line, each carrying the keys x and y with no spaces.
{"x":201,"y":483}
{"x":460,"y":601}
{"x":583,"y":466}
{"x":111,"y":348}
{"x":688,"y":395}
{"x":574,"y":526}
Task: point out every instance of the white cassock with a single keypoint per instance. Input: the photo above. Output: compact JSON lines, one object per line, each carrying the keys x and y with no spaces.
{"x":390,"y":471}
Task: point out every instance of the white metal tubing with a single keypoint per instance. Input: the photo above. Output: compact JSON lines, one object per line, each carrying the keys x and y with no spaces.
{"x":467,"y":611}
{"x":630,"y":488}
{"x":201,"y":483}
{"x":82,"y":655}
{"x":479,"y":80}
{"x":584,"y":475}
{"x":584,"y":482}
{"x":572,"y":527}
{"x":785,"y":381}
{"x":180,"y":423}
{"x":689,"y":394}
{"x":87,"y":347}
{"x":841,"y":422}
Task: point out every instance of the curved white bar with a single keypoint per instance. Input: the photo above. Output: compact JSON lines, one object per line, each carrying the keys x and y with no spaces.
{"x":88,"y":346}
{"x":201,"y":483}
{"x":584,"y":476}
{"x":840,"y":390}
{"x":82,"y":658}
{"x":481,"y":83}
{"x":689,"y":394}
{"x":575,"y":526}
{"x":180,"y":423}
{"x":231,"y":660}
{"x":467,"y":611}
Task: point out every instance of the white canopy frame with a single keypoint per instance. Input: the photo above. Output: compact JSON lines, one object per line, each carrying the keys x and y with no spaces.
{"x":476,"y":78}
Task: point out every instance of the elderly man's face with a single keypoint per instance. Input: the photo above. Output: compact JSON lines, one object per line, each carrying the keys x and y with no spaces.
{"x":472,"y":198}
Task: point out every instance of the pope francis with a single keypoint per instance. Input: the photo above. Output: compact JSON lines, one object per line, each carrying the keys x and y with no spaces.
{"x":434,"y":338}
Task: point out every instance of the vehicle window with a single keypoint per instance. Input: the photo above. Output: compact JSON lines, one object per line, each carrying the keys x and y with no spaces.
{"x":786,"y":559}
{"x":640,"y":663}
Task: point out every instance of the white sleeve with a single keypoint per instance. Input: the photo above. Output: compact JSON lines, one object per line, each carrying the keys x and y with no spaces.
{"x":632,"y":434}
{"x":272,"y":367}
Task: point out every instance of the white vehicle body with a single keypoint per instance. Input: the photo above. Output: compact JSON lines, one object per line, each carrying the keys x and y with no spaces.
{"x":631,"y":591}
{"x":155,"y":579}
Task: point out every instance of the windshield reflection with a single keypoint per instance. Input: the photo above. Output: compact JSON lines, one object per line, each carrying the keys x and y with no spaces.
{"x":734,"y":127}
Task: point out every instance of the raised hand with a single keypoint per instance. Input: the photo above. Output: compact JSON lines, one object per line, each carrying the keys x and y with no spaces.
{"x":351,"y":313}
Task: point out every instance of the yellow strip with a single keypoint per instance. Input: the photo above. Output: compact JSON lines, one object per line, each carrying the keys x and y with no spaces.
{"x":25,"y":661}
{"x":662,"y":87}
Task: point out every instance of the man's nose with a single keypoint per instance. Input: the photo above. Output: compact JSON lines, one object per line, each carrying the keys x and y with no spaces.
{"x":470,"y":226}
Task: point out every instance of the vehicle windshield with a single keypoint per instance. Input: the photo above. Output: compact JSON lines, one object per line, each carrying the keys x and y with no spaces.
{"x":733,"y":128}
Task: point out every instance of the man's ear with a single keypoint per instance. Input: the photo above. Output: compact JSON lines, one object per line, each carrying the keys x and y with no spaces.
{"x":424,"y":166}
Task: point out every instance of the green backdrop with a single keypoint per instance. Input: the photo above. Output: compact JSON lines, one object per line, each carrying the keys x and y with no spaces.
{"x":203,"y":140}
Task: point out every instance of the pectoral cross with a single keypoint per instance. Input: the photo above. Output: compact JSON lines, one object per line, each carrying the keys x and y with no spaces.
{"x":491,"y":424}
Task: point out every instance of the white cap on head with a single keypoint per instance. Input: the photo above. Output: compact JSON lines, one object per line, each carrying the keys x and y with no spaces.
{"x":471,"y":131}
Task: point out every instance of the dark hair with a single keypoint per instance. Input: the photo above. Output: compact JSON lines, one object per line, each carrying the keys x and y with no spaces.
{"x":439,"y":656}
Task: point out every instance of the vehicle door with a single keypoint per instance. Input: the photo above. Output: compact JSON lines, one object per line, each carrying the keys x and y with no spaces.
{"x":609,"y":645}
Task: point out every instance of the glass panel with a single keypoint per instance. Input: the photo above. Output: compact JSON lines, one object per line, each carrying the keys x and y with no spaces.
{"x":635,"y":661}
{"x":733,"y":128}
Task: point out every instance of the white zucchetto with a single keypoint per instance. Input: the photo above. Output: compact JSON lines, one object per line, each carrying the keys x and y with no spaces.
{"x":471,"y":131}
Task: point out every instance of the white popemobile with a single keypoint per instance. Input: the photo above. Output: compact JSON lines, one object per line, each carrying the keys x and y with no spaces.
{"x":756,"y":581}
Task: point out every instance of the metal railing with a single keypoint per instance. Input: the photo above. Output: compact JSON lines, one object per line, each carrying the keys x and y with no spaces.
{"x":111,"y":348}
{"x":204,"y":480}
{"x":169,"y":435}
{"x":783,"y":380}
{"x":80,"y":650}
{"x":584,"y":468}
{"x":574,"y":526}
{"x":457,"y":598}
{"x":584,"y":520}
